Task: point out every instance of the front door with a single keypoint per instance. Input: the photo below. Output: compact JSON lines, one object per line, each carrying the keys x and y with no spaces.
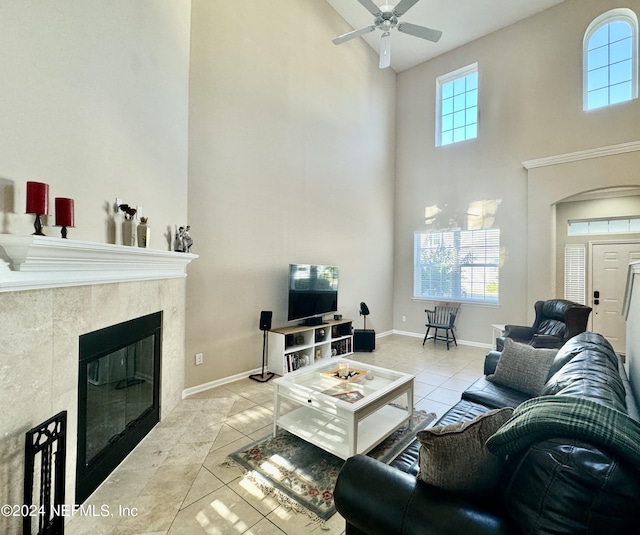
{"x":609,"y":265}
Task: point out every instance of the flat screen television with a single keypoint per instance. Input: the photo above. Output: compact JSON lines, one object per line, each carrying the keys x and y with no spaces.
{"x":313,"y":292}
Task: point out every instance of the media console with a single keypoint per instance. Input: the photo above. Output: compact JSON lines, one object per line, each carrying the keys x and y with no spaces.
{"x":291,"y":348}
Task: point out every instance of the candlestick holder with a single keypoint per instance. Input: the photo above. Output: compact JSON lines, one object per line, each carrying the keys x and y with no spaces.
{"x":64,"y":214}
{"x":37,"y":203}
{"x":37,"y":225}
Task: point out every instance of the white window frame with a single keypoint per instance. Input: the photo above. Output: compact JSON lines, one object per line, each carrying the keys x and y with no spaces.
{"x":618,"y":14}
{"x":465,"y":253}
{"x":446,"y":78}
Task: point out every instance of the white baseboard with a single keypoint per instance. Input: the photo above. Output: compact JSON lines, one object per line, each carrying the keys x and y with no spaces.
{"x":461,"y":342}
{"x":386,"y":333}
{"x":218,"y":382}
{"x":407,"y":333}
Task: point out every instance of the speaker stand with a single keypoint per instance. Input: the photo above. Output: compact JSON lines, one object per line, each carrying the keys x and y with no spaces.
{"x":262,"y":377}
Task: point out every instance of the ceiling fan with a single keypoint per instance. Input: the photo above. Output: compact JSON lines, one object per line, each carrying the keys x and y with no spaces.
{"x":385,"y":19}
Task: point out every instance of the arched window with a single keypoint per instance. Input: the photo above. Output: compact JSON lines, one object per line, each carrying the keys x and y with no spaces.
{"x":610,"y":73}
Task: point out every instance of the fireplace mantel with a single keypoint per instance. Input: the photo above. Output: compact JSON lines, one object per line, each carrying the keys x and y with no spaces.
{"x":33,"y":262}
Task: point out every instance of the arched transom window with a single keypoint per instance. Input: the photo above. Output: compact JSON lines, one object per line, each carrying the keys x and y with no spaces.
{"x":611,"y":59}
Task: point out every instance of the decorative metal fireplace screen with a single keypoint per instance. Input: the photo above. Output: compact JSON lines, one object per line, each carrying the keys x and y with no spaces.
{"x":44,"y":472}
{"x":118,"y":396}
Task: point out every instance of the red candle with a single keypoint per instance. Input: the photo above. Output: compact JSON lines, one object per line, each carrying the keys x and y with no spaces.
{"x":37,"y":198}
{"x":64,"y":212}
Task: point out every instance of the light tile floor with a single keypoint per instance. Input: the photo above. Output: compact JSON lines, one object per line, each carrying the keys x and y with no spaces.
{"x":174,"y":482}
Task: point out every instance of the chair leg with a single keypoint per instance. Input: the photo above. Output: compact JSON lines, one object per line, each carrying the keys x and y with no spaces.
{"x":447,"y":335}
{"x":454,"y":337}
{"x":425,"y":336}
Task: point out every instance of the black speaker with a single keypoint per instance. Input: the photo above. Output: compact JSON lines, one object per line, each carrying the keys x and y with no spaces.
{"x":265,"y":320}
{"x":364,"y":340}
{"x":364,"y":309}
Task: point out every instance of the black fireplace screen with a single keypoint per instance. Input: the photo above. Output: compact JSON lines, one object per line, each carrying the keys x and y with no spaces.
{"x":118,"y":396}
{"x":44,"y":473}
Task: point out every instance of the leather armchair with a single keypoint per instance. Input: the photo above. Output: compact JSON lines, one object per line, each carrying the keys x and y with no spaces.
{"x":557,"y":320}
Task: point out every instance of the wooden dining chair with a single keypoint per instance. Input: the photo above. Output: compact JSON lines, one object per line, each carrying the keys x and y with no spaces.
{"x":442,"y":317}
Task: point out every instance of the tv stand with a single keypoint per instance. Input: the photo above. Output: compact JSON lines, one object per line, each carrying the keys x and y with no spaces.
{"x":291,"y":348}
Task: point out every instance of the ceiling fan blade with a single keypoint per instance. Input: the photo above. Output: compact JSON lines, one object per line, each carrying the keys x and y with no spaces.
{"x":352,"y":35}
{"x":385,"y":50}
{"x":370,"y":6}
{"x":403,"y":7}
{"x":420,"y":31}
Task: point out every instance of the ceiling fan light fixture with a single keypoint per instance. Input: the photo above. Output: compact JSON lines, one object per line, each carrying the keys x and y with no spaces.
{"x":386,"y":19}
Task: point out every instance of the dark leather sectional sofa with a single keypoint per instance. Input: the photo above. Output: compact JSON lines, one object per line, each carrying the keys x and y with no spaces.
{"x":559,"y":484}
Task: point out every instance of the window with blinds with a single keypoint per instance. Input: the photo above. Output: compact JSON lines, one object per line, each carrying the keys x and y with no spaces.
{"x":460,"y":265}
{"x":575,"y":273}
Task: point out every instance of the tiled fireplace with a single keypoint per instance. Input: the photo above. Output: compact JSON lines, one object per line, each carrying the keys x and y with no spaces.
{"x":51,"y":294}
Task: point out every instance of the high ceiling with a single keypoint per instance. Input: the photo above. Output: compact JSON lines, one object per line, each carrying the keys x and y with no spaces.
{"x":461,"y":21}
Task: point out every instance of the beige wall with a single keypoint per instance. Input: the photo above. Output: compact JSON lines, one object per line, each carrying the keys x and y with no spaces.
{"x":291,"y":159}
{"x":95,"y":103}
{"x":530,"y":107}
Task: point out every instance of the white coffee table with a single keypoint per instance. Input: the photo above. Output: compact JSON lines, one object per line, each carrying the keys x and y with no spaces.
{"x":343,"y":417}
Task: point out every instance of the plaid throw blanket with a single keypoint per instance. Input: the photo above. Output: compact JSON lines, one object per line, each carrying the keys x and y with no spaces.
{"x":564,"y":416}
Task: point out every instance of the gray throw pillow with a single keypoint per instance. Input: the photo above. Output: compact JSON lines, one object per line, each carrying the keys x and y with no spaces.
{"x":454,"y":457}
{"x":523,"y":367}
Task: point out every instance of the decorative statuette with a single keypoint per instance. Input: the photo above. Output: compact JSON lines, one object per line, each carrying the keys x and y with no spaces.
{"x":183,"y":240}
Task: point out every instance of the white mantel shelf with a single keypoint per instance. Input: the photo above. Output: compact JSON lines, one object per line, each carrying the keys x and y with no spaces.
{"x":34,"y":262}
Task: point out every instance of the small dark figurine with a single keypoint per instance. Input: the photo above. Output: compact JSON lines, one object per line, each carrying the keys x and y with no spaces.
{"x":183,"y":241}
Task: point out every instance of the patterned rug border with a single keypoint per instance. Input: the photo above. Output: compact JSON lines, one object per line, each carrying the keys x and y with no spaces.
{"x":290,"y":499}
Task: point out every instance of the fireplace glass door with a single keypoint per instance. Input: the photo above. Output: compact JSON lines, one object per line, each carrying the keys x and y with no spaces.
{"x":118,"y":396}
{"x":119,"y":392}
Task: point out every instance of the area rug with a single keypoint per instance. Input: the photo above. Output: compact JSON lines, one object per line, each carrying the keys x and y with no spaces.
{"x":302,"y":476}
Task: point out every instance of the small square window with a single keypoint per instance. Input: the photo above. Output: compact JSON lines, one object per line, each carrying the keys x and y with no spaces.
{"x":598,"y":78}
{"x":472,"y":98}
{"x":621,"y":50}
{"x":598,"y":57}
{"x":598,"y":98}
{"x":620,"y":93}
{"x":620,"y":72}
{"x":459,"y":86}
